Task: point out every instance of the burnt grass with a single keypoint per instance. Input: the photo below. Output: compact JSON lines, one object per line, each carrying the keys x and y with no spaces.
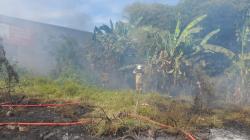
{"x":69,"y":113}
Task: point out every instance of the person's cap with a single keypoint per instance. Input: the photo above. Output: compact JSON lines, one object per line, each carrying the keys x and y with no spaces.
{"x":139,"y":67}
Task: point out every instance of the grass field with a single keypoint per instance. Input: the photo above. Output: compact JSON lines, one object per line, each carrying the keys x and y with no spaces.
{"x":174,"y":112}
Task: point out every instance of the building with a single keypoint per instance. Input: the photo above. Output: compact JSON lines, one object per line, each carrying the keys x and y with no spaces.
{"x":29,"y":43}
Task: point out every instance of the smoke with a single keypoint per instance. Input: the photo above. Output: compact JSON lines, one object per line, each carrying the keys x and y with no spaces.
{"x":29,"y":44}
{"x":78,"y":14}
{"x":63,"y":13}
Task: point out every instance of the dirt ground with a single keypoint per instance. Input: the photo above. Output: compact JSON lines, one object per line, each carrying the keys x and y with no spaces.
{"x":69,"y":113}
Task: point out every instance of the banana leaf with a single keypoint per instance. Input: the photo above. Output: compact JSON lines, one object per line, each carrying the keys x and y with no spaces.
{"x":218,"y":49}
{"x":209,"y":36}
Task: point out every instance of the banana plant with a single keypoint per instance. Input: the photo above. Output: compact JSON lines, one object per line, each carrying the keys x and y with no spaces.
{"x":169,"y":55}
{"x":243,"y":57}
{"x":206,"y":47}
{"x":112,"y":41}
{"x":240,"y":59}
{"x":108,"y":36}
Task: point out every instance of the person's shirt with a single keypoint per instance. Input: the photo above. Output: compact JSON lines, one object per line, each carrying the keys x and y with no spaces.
{"x":137,"y":71}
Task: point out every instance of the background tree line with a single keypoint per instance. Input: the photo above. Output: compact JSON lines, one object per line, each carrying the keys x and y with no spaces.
{"x":174,"y":43}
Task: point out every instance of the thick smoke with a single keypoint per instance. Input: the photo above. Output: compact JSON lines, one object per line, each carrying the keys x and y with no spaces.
{"x":29,"y":44}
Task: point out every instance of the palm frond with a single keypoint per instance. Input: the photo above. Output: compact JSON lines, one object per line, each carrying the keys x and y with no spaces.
{"x":138,"y":21}
{"x":177,"y":29}
{"x":195,"y":22}
{"x":186,"y":32}
{"x":209,"y":36}
{"x":219,"y":49}
{"x":245,"y":56}
{"x":111,"y":25}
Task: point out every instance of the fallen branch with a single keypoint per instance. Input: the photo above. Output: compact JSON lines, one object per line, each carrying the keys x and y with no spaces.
{"x":85,"y":121}
{"x":146,"y":119}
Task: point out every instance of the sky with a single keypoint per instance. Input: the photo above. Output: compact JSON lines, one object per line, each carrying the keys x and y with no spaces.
{"x":76,"y":14}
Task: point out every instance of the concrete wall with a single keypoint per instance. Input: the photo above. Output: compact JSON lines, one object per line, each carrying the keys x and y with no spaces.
{"x":29,"y":43}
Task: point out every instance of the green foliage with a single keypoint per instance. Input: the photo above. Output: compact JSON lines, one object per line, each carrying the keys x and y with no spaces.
{"x":156,"y":15}
{"x":223,"y":14}
{"x":154,"y":106}
{"x":190,"y":29}
{"x":165,"y":52}
{"x":209,"y":36}
{"x":218,"y":49}
{"x":113,"y":41}
{"x":169,"y":54}
{"x":8,"y":75}
{"x":169,"y":45}
{"x":240,"y":59}
{"x":67,"y":55}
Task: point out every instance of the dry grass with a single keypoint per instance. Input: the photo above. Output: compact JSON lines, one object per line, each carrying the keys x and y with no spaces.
{"x":177,"y":113}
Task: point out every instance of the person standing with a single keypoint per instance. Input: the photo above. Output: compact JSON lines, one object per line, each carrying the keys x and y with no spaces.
{"x":138,"y":78}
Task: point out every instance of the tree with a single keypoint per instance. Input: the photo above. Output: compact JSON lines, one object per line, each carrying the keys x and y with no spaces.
{"x":223,"y":14}
{"x":168,"y":52}
{"x":113,"y":42}
{"x":69,"y":59}
{"x":156,"y":15}
{"x":8,"y":74}
{"x":240,"y":59}
{"x":172,"y":55}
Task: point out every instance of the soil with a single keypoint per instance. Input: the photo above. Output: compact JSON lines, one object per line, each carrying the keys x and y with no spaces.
{"x":239,"y":126}
{"x":69,"y":113}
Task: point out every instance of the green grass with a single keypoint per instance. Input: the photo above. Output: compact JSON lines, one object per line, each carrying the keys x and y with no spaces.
{"x":113,"y":101}
{"x":155,"y":106}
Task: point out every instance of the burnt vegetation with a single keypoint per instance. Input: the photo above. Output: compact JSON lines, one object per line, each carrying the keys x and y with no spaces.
{"x":194,"y":59}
